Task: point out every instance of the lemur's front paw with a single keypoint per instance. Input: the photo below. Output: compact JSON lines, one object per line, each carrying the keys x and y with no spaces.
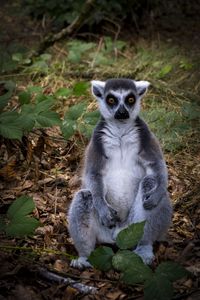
{"x":149,"y":197}
{"x":149,"y":184}
{"x":149,"y":202}
{"x":108,"y":217}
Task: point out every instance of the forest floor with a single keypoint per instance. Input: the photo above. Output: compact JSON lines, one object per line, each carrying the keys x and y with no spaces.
{"x":48,"y":168}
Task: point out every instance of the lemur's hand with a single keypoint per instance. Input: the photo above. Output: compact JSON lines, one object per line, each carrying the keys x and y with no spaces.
{"x":151,"y":192}
{"x":108,"y":216}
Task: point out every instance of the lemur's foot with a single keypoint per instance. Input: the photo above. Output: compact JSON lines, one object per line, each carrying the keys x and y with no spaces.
{"x":80,"y":263}
{"x":146,"y":253}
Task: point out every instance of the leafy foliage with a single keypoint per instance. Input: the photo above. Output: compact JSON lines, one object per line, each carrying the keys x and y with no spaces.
{"x":157,"y":285}
{"x":17,"y":221}
{"x":67,"y":11}
{"x":158,"y":288}
{"x":102,"y":258}
{"x":13,"y":124}
{"x":8,"y":89}
{"x":11,"y":55}
{"x":129,"y":237}
{"x":82,"y":53}
{"x":171,"y":127}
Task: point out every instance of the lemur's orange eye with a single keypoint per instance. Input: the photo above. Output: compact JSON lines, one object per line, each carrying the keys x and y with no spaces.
{"x":111,"y":101}
{"x":131,"y":100}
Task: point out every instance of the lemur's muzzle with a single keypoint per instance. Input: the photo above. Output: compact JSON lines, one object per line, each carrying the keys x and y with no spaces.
{"x":121,"y":113}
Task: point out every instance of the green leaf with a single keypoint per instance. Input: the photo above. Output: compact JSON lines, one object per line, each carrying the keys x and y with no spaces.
{"x":74,"y":57}
{"x":48,"y":119}
{"x":173,"y":271}
{"x":40,"y":97}
{"x":26,"y":121}
{"x":63,"y":92}
{"x":100,"y":59}
{"x":24,"y":97}
{"x":164,"y":71}
{"x":130,"y":236}
{"x":101,"y":258}
{"x":44,"y":105}
{"x":17,"y":57}
{"x":132,"y":266}
{"x":21,"y":207}
{"x":34,"y":89}
{"x":8,"y":117}
{"x":45,"y":56}
{"x":39,"y":66}
{"x":91,"y":117}
{"x":68,"y":128}
{"x":136,"y":274}
{"x":11,"y":131}
{"x":75,"y":111}
{"x":80,"y":88}
{"x":158,"y":288}
{"x":124,"y":258}
{"x":86,"y":129}
{"x":8,"y":89}
{"x":22,"y":226}
{"x":26,"y":61}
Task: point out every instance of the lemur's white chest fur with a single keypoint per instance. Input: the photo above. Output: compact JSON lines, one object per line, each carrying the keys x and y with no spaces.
{"x":122,"y":171}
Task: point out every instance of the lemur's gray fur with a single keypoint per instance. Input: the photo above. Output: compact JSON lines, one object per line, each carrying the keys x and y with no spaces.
{"x":125,"y":176}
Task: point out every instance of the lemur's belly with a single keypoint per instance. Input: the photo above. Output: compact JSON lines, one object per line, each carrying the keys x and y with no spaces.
{"x":121,"y":186}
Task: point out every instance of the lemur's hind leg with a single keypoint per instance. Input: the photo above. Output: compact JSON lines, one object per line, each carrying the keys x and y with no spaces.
{"x":81,"y":227}
{"x":158,"y":220}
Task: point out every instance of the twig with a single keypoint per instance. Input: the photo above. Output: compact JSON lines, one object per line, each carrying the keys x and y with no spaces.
{"x":71,"y":28}
{"x":185,"y":251}
{"x":83,"y":288}
{"x":97,"y":52}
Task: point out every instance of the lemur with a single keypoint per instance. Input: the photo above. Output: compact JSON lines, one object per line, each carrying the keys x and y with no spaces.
{"x":124,"y":179}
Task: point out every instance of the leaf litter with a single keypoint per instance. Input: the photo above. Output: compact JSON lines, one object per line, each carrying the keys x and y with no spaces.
{"x":46,"y":169}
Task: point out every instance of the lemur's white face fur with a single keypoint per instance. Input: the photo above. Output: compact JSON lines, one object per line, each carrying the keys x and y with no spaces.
{"x":119,"y":99}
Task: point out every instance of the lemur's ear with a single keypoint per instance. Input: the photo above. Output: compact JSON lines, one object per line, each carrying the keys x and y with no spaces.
{"x":142,"y":87}
{"x":98,"y":88}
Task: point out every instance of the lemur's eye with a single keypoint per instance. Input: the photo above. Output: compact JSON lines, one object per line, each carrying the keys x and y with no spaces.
{"x":131,"y":100}
{"x":110,"y":100}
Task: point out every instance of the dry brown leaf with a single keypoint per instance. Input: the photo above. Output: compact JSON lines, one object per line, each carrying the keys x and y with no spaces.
{"x":69,"y":293}
{"x":8,"y":172}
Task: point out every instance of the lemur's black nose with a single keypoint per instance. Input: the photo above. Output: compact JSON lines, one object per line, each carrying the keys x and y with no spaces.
{"x":121,"y":113}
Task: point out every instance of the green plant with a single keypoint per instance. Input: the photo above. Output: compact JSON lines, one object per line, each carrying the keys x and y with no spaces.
{"x":172,"y":125}
{"x":80,"y":52}
{"x":66,"y":11}
{"x":157,"y":284}
{"x":17,"y":221}
{"x":77,"y":119}
{"x":35,"y":111}
{"x":11,"y":55}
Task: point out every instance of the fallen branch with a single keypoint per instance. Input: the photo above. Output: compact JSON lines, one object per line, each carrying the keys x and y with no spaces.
{"x":69,"y":30}
{"x":83,"y":288}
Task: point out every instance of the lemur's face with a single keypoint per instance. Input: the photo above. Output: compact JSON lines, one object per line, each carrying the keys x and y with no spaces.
{"x":119,"y":99}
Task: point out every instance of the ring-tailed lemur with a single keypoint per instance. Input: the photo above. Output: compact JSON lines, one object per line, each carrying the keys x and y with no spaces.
{"x":125,"y":176}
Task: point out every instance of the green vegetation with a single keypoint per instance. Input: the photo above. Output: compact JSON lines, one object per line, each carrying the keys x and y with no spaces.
{"x":17,"y":222}
{"x":157,"y":284}
{"x":67,"y":11}
{"x":173,"y":121}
